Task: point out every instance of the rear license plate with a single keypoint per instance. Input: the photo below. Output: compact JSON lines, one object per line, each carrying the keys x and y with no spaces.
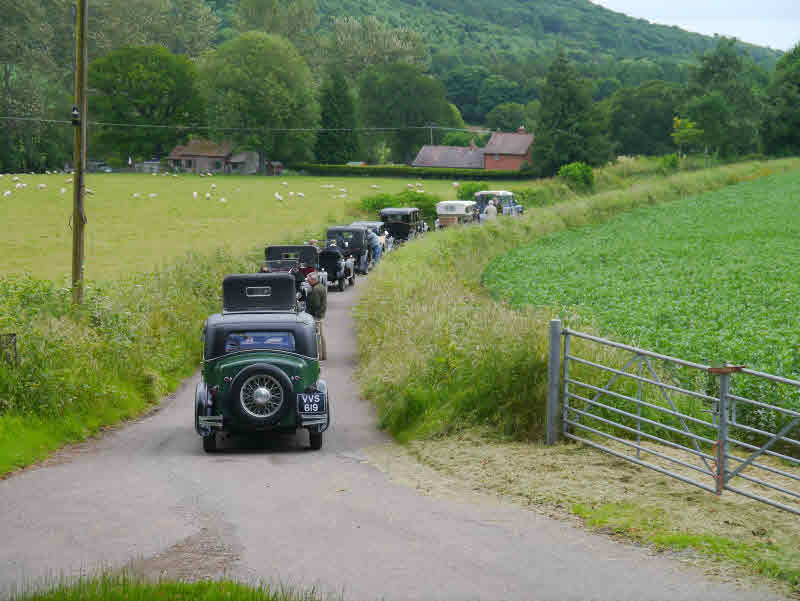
{"x":311,"y":403}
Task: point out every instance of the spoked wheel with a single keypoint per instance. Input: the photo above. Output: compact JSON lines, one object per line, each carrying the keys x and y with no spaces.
{"x":261,"y":396}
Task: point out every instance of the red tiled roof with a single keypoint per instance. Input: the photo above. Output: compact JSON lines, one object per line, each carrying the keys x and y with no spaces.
{"x":503,"y":143}
{"x":201,"y":148}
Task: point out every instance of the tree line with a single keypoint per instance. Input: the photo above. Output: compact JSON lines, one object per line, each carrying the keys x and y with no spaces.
{"x":264,"y":75}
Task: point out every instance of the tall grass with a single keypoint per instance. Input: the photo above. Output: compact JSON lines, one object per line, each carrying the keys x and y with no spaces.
{"x":437,"y":353}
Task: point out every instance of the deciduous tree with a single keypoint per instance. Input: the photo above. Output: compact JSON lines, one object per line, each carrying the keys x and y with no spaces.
{"x":782,"y":125}
{"x":338,"y":106}
{"x":257,"y":84}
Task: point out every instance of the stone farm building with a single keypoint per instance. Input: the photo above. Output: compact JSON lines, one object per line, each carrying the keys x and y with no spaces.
{"x":204,"y":156}
{"x":506,"y":151}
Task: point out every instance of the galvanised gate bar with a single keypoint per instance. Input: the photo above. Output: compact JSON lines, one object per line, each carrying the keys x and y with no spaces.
{"x":683,"y":419}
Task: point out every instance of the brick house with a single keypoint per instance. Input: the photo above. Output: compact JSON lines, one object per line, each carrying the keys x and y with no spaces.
{"x":508,"y":151}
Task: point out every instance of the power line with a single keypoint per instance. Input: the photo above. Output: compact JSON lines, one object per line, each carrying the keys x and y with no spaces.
{"x":277,"y":130}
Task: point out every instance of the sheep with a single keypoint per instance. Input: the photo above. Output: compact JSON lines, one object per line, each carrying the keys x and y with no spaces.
{"x":208,"y":195}
{"x":456,"y":184}
{"x":301,"y":195}
{"x":194,"y":194}
{"x":89,"y":191}
{"x":63,"y":190}
{"x":41,"y":186}
{"x":15,"y":178}
{"x":213,"y":186}
{"x":278,"y":196}
{"x":69,"y":181}
{"x":374,"y":187}
{"x":18,"y":186}
{"x":410,"y":185}
{"x":291,"y":194}
{"x":7,"y":193}
{"x":223,"y":199}
{"x":153,"y":194}
{"x":419,"y":184}
{"x":136,"y":195}
{"x":284,"y":183}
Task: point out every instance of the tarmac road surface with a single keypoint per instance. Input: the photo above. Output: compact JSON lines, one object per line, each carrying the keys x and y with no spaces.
{"x":146,"y":497}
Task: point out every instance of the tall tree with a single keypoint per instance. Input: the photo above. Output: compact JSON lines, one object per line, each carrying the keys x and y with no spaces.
{"x":641,"y":118}
{"x":356,"y":44}
{"x":292,"y":19}
{"x":258,"y":83}
{"x":463,"y":87}
{"x":146,"y":85}
{"x":338,"y":105}
{"x":727,"y":79}
{"x":569,"y":129}
{"x":509,"y":116}
{"x":782,"y":123}
{"x":402,"y":96}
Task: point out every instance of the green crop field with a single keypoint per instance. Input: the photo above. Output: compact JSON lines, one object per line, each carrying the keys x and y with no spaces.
{"x":130,"y":230}
{"x":709,"y":278}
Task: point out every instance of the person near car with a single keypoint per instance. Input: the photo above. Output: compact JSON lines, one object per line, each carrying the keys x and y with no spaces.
{"x":375,"y":244}
{"x":491,"y":211}
{"x":317,"y":305}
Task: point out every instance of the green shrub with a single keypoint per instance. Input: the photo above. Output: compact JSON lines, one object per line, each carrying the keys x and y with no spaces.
{"x":669,"y":163}
{"x":407,"y":198}
{"x":578,"y":176}
{"x":467,"y":190}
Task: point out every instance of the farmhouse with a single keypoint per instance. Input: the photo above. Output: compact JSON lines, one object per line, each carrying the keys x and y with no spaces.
{"x":204,"y":156}
{"x":507,"y":151}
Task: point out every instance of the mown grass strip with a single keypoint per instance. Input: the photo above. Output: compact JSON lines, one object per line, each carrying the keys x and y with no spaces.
{"x":438,"y":353}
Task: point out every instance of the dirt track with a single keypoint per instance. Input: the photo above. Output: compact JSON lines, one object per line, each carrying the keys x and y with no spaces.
{"x":147,"y":497}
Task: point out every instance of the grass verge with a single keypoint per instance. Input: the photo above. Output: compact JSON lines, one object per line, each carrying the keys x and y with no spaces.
{"x":122,"y":588}
{"x":437,"y":353}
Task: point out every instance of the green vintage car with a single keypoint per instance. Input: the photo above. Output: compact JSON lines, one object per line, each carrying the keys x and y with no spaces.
{"x":260,"y":364}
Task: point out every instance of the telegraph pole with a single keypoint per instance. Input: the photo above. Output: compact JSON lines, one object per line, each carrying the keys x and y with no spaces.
{"x":80,"y":123}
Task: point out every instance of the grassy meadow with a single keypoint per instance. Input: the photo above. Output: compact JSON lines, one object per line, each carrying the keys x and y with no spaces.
{"x":131,"y":231}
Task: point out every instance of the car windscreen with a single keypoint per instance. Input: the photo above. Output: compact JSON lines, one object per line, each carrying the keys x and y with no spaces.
{"x":258,"y":341}
{"x":396,"y":218}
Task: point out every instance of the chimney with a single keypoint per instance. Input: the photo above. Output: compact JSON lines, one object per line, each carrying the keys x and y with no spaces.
{"x":521,"y":130}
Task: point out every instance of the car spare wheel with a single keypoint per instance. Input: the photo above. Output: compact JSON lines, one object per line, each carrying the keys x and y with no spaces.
{"x":261,"y":394}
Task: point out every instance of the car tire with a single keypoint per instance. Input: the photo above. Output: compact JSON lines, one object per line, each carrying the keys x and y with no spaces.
{"x":261,"y":376}
{"x":341,"y":284}
{"x":314,"y":440}
{"x":210,"y":443}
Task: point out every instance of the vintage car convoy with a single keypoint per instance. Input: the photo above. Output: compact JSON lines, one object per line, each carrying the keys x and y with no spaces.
{"x":508,"y":205}
{"x":352,"y":241}
{"x":379,"y":227}
{"x":261,"y":369}
{"x":339,"y":270}
{"x":404,"y":223}
{"x":455,"y":212}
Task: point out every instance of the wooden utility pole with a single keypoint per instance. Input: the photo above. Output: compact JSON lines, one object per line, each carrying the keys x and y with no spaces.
{"x":80,"y":123}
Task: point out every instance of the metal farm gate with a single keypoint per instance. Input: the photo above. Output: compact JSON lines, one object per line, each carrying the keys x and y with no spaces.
{"x":689,"y":421}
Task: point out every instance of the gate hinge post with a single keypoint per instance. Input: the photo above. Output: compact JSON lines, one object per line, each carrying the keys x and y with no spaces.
{"x":553,"y":413}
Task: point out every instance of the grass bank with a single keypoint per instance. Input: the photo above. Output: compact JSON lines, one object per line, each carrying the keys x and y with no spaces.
{"x":437,"y":353}
{"x":122,"y":588}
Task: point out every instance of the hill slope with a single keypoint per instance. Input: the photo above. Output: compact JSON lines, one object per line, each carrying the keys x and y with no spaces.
{"x":589,"y":32}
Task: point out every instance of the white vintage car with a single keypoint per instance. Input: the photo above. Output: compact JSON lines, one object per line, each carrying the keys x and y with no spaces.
{"x":455,"y":212}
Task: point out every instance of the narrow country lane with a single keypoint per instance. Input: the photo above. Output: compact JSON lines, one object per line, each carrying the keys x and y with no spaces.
{"x":147,"y":497}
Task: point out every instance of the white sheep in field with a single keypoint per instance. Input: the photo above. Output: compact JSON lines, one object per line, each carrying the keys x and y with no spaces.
{"x":63,"y":190}
{"x":278,"y":196}
{"x":410,"y":185}
{"x":374,"y":187}
{"x":419,"y":184}
{"x":456,"y":184}
{"x":202,"y":175}
{"x":194,"y":195}
{"x":208,"y":195}
{"x":343,"y":190}
{"x":213,"y":186}
{"x":153,"y":194}
{"x":136,"y":195}
{"x":284,"y":183}
{"x":301,"y":195}
{"x":291,"y":194}
{"x":223,"y":199}
{"x":19,"y":186}
{"x":69,"y":181}
{"x":41,"y":186}
{"x":7,"y":193}
{"x":15,"y":178}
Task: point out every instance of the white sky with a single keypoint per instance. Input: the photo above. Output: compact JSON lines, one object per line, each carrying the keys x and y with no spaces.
{"x":773,"y":23}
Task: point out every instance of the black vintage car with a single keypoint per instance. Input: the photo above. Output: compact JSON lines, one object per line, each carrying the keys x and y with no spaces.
{"x":379,"y":227}
{"x":352,"y":241}
{"x":260,"y":364}
{"x":404,"y":223}
{"x":338,"y":269}
{"x":297,"y":259}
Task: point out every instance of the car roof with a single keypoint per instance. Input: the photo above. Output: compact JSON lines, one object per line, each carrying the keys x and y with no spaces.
{"x":495,"y":192}
{"x":347,"y":228}
{"x":258,"y":320}
{"x":399,"y":210}
{"x":368,"y":223}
